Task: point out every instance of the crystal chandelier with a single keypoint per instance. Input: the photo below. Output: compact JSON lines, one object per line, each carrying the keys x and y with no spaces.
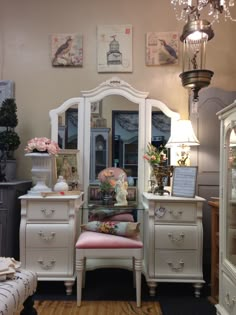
{"x":186,"y":8}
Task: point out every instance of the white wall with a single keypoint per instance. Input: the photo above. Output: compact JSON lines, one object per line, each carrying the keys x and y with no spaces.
{"x":25,"y":29}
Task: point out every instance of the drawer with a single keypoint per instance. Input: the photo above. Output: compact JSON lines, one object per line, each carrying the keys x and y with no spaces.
{"x":177,"y":264}
{"x":175,"y":212}
{"x":47,"y":235}
{"x":56,"y":210}
{"x":228,"y":295}
{"x":176,"y":237}
{"x":53,"y":262}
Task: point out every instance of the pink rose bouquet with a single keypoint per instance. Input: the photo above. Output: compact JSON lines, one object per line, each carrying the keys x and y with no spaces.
{"x":42,"y":145}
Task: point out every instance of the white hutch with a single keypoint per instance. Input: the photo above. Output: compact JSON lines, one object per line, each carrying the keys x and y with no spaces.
{"x":227,"y":232}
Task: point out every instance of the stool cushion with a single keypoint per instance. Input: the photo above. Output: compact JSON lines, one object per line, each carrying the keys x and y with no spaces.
{"x":89,"y":239}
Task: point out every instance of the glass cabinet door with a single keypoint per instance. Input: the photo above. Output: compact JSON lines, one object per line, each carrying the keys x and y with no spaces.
{"x":230,"y":215}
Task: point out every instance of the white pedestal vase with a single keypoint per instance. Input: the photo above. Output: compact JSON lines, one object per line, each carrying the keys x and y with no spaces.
{"x":41,"y":172}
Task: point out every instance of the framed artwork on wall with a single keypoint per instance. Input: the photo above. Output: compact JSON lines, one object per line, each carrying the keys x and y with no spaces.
{"x":67,"y":50}
{"x":162,"y":48}
{"x":114,"y":48}
{"x":96,"y":108}
{"x":6,"y":90}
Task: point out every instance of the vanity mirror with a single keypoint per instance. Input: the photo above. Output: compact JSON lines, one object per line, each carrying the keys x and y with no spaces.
{"x":91,"y":118}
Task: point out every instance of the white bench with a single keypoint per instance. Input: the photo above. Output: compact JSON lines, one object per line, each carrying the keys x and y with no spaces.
{"x":17,"y":291}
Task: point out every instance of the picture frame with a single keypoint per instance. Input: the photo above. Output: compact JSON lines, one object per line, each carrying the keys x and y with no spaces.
{"x":96,"y":108}
{"x":67,"y":165}
{"x":6,"y":90}
{"x":114,"y":48}
{"x":162,"y":48}
{"x":67,"y":50}
{"x":184,"y":181}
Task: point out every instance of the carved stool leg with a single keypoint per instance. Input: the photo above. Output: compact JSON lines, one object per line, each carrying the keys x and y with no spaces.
{"x":79,"y":271}
{"x":138,"y":274}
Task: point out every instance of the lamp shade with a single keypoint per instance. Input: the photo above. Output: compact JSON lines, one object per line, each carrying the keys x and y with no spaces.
{"x":182,"y":134}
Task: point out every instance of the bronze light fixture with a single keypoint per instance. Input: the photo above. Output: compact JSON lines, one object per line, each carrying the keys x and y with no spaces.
{"x":196,"y":33}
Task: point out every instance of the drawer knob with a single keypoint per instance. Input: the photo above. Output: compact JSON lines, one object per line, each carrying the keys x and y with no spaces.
{"x":230,"y":302}
{"x":180,"y":267}
{"x":48,"y":266}
{"x":176,"y":213}
{"x":178,"y":239}
{"x":46,"y":237}
{"x":48,"y":213}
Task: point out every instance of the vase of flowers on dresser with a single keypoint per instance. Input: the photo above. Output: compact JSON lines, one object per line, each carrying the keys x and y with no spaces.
{"x":160,"y":171}
{"x":107,"y":185}
{"x":41,"y":151}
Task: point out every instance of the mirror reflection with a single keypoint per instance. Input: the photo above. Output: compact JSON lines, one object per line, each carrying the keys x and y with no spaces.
{"x":114,"y":130}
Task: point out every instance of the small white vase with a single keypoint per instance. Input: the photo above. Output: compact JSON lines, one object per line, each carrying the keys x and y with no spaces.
{"x":41,"y":170}
{"x":61,"y":185}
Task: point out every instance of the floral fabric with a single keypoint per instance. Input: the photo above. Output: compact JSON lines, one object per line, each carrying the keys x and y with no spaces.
{"x":127,"y":229}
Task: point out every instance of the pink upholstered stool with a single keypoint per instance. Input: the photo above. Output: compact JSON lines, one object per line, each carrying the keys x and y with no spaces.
{"x":99,"y":245}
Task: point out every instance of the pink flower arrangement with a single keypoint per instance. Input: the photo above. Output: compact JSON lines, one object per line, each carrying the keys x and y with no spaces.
{"x":42,"y":145}
{"x":154,"y":155}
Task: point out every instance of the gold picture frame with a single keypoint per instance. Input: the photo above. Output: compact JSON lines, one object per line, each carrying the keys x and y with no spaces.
{"x":67,"y":165}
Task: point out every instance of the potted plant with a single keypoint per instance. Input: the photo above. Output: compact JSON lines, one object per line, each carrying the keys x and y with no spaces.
{"x":9,"y":139}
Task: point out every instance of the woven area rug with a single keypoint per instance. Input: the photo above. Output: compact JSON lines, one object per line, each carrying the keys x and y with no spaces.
{"x":96,"y":308}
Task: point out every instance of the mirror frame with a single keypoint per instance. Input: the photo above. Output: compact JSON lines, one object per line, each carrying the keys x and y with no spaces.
{"x":113,"y":86}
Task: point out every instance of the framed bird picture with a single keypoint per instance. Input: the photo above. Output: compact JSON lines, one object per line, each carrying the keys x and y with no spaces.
{"x":162,"y":48}
{"x":67,"y":50}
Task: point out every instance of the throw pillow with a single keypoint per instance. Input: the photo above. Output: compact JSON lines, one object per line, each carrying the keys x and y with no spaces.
{"x":127,"y":229}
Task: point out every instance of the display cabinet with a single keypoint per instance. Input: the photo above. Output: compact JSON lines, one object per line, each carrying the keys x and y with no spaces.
{"x":227,"y":234}
{"x":99,"y":150}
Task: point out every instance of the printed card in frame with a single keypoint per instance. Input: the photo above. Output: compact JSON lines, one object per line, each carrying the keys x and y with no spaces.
{"x":67,"y":165}
{"x":162,"y":48}
{"x":67,"y":50}
{"x":96,"y":108}
{"x":114,"y":48}
{"x":184,"y":181}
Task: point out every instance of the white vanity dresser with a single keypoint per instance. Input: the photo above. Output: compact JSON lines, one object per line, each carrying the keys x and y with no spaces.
{"x":173,"y":240}
{"x":48,"y":231}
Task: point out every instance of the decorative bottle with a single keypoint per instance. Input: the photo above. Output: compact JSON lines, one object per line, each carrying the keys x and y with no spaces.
{"x":61,"y":185}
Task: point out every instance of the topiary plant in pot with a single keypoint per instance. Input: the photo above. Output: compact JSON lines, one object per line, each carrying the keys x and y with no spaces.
{"x":9,"y":139}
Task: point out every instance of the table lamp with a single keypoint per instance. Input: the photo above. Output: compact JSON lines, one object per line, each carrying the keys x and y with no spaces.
{"x":182,"y":137}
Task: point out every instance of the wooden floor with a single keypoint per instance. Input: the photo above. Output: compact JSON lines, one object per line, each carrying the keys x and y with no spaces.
{"x":96,"y":308}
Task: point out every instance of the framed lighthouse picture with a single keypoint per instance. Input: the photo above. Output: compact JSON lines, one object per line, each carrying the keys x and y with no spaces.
{"x":114,"y":48}
{"x":67,"y":50}
{"x":162,"y":48}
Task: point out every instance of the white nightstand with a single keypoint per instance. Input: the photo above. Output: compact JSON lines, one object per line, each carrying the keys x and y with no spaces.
{"x":48,"y":231}
{"x":173,"y":240}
